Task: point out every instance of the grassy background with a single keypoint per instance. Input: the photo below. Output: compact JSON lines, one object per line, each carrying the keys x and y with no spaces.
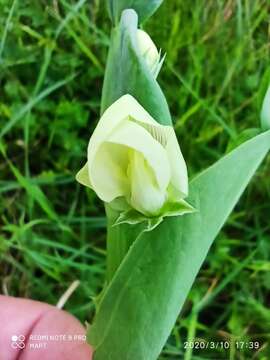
{"x":52,"y":58}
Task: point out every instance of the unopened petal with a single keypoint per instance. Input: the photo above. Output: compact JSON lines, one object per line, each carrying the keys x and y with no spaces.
{"x":146,"y":196}
{"x":179,"y":175}
{"x":109,"y":172}
{"x":83,"y":176}
{"x":136,"y":137}
{"x":125,"y":107}
{"x":148,"y":49}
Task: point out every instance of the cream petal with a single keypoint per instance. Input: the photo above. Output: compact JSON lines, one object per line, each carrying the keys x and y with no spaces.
{"x":127,"y":125}
{"x":122,"y":109}
{"x":179,"y":175}
{"x":146,"y":197}
{"x":148,"y":49}
{"x":82,"y":176}
{"x":136,"y":137}
{"x":109,"y":172}
{"x":159,"y":132}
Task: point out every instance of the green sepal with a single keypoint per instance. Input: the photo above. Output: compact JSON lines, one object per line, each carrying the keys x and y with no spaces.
{"x":173,"y":208}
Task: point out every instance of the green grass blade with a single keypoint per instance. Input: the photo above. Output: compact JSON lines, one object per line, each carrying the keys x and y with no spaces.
{"x":34,"y":192}
{"x":8,"y":22}
{"x":32,"y":102}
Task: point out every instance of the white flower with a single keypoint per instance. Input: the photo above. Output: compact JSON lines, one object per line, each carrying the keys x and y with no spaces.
{"x":265,"y":112}
{"x":132,"y":157}
{"x":149,"y":52}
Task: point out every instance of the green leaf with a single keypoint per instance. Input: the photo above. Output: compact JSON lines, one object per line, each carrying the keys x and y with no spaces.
{"x":128,"y":73}
{"x":245,"y":135}
{"x":142,"y":302}
{"x":144,"y":8}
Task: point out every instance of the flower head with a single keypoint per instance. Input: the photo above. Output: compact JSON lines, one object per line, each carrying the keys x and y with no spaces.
{"x":134,"y":158}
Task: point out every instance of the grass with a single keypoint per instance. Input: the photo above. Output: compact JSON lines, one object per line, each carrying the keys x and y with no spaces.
{"x":52,"y":59}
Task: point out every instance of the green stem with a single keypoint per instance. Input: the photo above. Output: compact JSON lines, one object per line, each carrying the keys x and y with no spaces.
{"x":119,"y":240}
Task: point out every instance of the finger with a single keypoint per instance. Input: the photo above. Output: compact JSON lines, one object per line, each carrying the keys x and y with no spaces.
{"x":48,"y":333}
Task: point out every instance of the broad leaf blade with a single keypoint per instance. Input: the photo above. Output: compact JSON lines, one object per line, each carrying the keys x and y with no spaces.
{"x":144,"y":8}
{"x":142,"y":302}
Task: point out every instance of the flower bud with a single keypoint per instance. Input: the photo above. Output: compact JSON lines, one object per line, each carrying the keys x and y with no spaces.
{"x":265,"y":112}
{"x":149,"y":52}
{"x":134,"y":158}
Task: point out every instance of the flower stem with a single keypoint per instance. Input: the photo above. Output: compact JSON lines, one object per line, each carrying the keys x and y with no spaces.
{"x":119,"y":240}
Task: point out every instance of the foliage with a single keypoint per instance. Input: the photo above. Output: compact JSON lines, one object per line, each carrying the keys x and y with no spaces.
{"x":52,"y":63}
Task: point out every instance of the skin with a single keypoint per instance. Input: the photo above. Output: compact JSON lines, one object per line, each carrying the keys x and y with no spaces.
{"x":27,"y":317}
